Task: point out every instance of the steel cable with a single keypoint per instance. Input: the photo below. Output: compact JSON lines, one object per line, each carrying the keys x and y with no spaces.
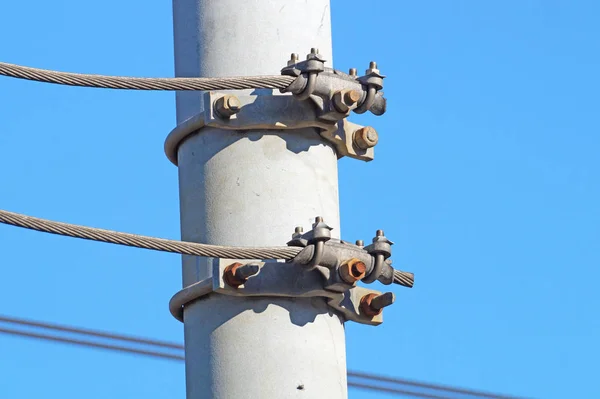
{"x":135,"y":83}
{"x":138,"y":241}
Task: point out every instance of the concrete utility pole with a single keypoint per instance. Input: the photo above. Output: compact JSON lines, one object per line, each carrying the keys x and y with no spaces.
{"x":251,"y":190}
{"x":253,"y":165}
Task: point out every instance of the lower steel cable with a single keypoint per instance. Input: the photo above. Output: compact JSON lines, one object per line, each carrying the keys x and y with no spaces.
{"x":136,"y":83}
{"x":138,"y":241}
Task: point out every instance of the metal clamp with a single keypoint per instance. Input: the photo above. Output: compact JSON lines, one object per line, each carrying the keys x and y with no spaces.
{"x":313,"y":80}
{"x":272,"y":279}
{"x":277,"y":112}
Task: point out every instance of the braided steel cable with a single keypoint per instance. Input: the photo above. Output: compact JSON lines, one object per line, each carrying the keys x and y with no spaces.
{"x":135,"y":83}
{"x":138,"y":241}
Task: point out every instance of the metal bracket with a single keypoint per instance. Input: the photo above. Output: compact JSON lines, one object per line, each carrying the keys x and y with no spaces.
{"x":276,"y":112}
{"x":275,"y":279}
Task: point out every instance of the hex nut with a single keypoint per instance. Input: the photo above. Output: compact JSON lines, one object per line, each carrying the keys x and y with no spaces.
{"x":227,"y":106}
{"x":365,"y":138}
{"x":353,"y":271}
{"x":366,"y":308}
{"x":343,"y":100}
{"x":230,"y":277}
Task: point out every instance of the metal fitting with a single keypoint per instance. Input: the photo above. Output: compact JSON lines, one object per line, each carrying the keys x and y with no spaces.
{"x":227,"y":106}
{"x":294,"y":58}
{"x":321,"y":232}
{"x":352,"y":271}
{"x":237,"y":274}
{"x":344,"y":100}
{"x":373,"y":77}
{"x":297,"y":238}
{"x":365,"y":138}
{"x":372,"y":304}
{"x":353,"y":72}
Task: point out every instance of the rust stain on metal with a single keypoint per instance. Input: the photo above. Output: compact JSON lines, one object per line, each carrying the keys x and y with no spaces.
{"x":352,"y":271}
{"x":230,"y":277}
{"x":366,"y":308}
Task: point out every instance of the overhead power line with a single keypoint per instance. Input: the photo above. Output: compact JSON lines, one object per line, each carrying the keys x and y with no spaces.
{"x":173,"y":351}
{"x":134,"y":83}
{"x":418,"y":384}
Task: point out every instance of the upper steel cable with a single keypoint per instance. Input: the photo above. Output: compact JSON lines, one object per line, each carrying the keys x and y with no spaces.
{"x":134,"y":83}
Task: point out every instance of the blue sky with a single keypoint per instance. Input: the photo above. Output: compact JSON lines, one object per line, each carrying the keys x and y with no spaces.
{"x":486,"y":177}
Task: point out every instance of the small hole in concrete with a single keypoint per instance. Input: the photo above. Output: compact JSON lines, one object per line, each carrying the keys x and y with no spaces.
{"x":300,"y":387}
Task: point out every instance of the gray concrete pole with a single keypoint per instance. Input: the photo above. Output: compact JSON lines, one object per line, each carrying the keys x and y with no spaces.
{"x":251,"y":189}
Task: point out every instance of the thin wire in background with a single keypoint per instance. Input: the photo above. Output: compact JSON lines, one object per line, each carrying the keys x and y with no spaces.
{"x":174,"y":351}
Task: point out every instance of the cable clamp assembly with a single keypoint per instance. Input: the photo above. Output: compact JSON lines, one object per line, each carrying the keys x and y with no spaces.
{"x":322,"y":99}
{"x":273,"y":279}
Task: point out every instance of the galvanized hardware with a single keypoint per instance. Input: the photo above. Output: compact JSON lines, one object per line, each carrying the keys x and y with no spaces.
{"x":365,"y":138}
{"x":227,"y":106}
{"x":275,"y":280}
{"x":313,"y":80}
{"x":337,"y":252}
{"x":381,"y":249}
{"x":320,"y":233}
{"x":297,"y":240}
{"x":238,"y":274}
{"x":372,"y":305}
{"x":373,"y":80}
{"x":353,"y":72}
{"x":277,"y":112}
{"x":352,"y":271}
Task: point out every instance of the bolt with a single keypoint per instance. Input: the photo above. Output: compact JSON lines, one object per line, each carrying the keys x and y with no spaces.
{"x":383,"y":300}
{"x":227,"y":106}
{"x":344,"y":99}
{"x":293,"y":59}
{"x":365,"y":138}
{"x":353,"y":72}
{"x":373,"y":65}
{"x":360,"y":243}
{"x":314,"y":52}
{"x":237,"y":274}
{"x":372,"y":304}
{"x":379,"y":233}
{"x":319,"y":219}
{"x":352,"y":271}
{"x":299,"y":230}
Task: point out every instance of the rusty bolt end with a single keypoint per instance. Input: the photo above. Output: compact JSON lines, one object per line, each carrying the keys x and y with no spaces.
{"x":227,"y":106}
{"x":352,"y":271}
{"x":344,"y":99}
{"x":237,"y":274}
{"x":366,"y":308}
{"x":365,"y":137}
{"x":351,"y":97}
